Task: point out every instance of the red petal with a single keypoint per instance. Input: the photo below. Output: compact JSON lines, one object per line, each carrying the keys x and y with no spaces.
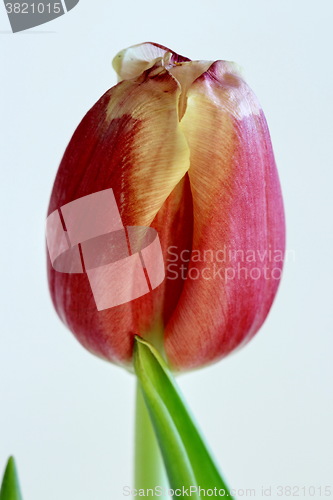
{"x":237,"y":206}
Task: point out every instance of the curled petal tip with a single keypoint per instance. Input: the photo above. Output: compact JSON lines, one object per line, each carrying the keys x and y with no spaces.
{"x":131,"y":62}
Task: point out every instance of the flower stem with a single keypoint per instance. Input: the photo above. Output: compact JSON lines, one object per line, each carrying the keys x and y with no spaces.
{"x":149,"y":466}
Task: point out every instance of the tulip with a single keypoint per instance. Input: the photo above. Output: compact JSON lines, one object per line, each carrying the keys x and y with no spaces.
{"x":185,"y":147}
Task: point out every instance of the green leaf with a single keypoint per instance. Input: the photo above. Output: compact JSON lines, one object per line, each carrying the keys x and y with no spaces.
{"x":10,"y":488}
{"x":186,"y":457}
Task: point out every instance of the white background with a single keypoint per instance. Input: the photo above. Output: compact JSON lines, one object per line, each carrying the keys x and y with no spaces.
{"x":266,"y":411}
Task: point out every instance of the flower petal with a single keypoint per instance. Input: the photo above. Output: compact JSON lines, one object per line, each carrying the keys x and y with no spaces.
{"x":130,"y":141}
{"x":237,"y":207}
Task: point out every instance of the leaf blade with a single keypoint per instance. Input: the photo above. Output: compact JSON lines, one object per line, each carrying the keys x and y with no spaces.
{"x":178,"y":468}
{"x":10,"y":488}
{"x":160,"y":390}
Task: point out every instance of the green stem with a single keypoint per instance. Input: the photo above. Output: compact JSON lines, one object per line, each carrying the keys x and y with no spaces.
{"x":149,"y":468}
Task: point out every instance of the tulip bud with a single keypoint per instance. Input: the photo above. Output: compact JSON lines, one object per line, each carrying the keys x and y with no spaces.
{"x":185,"y":149}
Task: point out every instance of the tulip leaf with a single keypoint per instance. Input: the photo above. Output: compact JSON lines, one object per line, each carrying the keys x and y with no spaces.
{"x":10,"y":488}
{"x":186,"y":457}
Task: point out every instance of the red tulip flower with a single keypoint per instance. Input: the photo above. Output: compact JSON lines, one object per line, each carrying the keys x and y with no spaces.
{"x":185,"y":147}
